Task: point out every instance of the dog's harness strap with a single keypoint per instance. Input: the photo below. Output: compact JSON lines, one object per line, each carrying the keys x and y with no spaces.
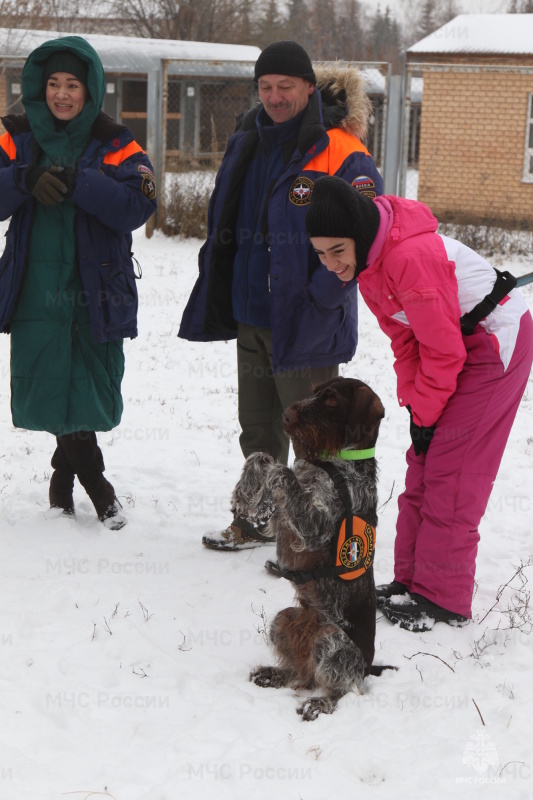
{"x":334,"y":570}
{"x":340,"y":485}
{"x":504,"y":283}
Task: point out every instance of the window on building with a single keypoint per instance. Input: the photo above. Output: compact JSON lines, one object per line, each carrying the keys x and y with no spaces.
{"x":528,"y":159}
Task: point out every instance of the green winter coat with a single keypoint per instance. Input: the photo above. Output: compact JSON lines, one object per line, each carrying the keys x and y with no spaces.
{"x":62,"y":380}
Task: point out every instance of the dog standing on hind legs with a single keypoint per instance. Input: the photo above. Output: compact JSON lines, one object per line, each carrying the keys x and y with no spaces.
{"x":327,"y":641}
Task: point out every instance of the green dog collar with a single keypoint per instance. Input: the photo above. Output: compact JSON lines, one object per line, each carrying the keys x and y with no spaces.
{"x":351,"y":455}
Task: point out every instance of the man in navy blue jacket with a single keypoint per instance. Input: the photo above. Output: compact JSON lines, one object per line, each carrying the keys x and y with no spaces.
{"x":260,"y":281}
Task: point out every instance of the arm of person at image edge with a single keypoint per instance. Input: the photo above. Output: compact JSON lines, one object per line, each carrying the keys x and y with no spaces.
{"x":324,"y":287}
{"x":429,"y":351}
{"x":12,"y":194}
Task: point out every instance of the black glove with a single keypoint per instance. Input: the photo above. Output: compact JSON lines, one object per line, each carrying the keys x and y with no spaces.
{"x":43,"y":184}
{"x":68,"y":177}
{"x":420,"y":436}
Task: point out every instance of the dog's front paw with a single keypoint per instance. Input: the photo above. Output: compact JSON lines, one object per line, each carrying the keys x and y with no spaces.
{"x":258,"y":513}
{"x":249,"y":499}
{"x":314,"y":706}
{"x":259,"y":460}
{"x":269,"y":677}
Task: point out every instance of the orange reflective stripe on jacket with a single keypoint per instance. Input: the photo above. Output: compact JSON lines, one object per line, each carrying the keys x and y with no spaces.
{"x":8,"y":146}
{"x":341,"y":145}
{"x":121,"y":155}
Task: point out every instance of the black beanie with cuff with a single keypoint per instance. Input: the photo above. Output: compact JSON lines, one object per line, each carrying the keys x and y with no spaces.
{"x":285,"y":58}
{"x":339,"y":211}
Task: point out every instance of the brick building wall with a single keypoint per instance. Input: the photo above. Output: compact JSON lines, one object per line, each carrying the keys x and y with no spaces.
{"x":472,"y":144}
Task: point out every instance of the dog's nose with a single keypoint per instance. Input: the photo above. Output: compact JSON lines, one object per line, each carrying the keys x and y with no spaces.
{"x":289,"y":416}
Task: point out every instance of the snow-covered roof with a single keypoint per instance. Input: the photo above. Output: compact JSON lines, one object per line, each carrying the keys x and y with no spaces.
{"x":138,"y":55}
{"x":374,"y":80}
{"x":376,"y":83}
{"x":505,"y":34}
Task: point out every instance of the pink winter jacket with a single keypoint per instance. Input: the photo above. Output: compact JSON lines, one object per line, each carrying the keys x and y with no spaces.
{"x":411,"y":288}
{"x":418,"y":284}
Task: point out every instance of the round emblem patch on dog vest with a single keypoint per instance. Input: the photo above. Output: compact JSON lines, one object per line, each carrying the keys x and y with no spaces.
{"x":365,"y":185}
{"x":301,"y":191}
{"x":351,"y":552}
{"x":355,"y":552}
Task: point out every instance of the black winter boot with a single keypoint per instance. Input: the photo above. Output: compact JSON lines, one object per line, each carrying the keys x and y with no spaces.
{"x":386,"y":590}
{"x":61,"y":482}
{"x":416,"y":613}
{"x":87,"y":460}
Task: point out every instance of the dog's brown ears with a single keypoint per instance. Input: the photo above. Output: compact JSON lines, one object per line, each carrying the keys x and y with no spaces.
{"x":366,"y":413}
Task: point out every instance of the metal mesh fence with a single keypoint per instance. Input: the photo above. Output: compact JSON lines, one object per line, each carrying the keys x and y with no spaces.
{"x":10,"y":85}
{"x":198,"y":113}
{"x":410,"y":133}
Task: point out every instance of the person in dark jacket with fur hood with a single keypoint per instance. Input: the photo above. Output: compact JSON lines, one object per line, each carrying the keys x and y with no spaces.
{"x":260,"y":281}
{"x":75,"y":184}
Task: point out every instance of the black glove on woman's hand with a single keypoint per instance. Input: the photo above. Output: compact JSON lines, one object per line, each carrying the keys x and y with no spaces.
{"x":68,"y":177}
{"x":420,"y":435}
{"x":43,"y":184}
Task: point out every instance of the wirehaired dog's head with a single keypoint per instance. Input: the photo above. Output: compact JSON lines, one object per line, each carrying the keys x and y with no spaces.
{"x":342,"y":413}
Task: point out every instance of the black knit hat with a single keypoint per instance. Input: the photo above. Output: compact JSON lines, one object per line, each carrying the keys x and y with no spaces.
{"x":65,"y":61}
{"x":285,"y":58}
{"x":337,"y":210}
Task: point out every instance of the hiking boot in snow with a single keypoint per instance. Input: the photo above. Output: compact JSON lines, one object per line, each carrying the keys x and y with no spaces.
{"x":241,"y":535}
{"x":60,"y":491}
{"x":386,"y":590}
{"x":416,"y":613}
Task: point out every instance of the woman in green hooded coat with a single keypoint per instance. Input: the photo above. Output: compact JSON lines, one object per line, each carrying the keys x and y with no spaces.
{"x":75,"y":184}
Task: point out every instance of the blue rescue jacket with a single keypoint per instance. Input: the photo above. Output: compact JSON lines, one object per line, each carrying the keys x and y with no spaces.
{"x":106,"y":213}
{"x":313,"y":315}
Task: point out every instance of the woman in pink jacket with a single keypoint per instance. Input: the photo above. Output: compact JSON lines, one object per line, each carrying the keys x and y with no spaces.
{"x":462,"y":338}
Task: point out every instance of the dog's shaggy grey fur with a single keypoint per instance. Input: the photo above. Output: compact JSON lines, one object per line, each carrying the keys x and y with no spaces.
{"x":327,"y":642}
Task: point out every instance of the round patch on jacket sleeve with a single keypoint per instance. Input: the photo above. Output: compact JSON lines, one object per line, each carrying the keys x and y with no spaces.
{"x":365,"y":185}
{"x":301,"y":191}
{"x":148,"y":187}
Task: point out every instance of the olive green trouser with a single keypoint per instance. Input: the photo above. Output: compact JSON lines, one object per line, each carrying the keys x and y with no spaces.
{"x":263,"y":395}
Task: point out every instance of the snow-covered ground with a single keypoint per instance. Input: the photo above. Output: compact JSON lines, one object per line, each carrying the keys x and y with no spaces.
{"x":125,"y":655}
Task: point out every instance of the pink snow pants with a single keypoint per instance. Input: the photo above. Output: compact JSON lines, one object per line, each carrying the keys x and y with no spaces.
{"x":447,"y":491}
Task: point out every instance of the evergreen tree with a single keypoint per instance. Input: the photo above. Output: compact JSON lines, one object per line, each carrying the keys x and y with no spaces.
{"x":297,"y":22}
{"x":351,"y":36}
{"x":270,"y":27}
{"x":384,"y":39}
{"x":323,"y":44}
{"x":426,"y":22}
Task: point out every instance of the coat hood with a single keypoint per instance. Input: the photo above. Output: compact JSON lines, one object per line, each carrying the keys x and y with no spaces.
{"x":342,"y":89}
{"x":409,"y":218}
{"x":69,"y":140}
